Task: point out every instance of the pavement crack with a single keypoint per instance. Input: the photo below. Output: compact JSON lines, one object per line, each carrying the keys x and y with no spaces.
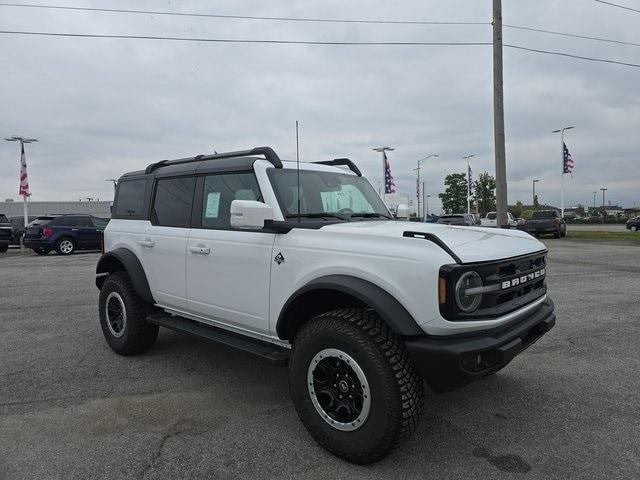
{"x":179,"y":427}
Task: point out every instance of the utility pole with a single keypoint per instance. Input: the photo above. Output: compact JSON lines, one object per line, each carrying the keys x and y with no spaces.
{"x":424,"y":214}
{"x":594,"y":201}
{"x":534,"y":192}
{"x":384,"y":165}
{"x":23,"y":165}
{"x":603,"y":210}
{"x":498,"y":118}
{"x":418,"y":180}
{"x":467,"y":157}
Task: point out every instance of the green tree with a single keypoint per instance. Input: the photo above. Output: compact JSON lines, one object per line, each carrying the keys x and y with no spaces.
{"x":454,"y":198}
{"x":485,"y":193}
{"x":517,"y":209}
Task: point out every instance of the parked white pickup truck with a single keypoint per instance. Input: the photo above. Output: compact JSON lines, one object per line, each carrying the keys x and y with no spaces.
{"x":490,"y":220}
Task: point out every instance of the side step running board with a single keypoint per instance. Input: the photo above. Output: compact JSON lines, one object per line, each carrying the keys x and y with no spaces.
{"x":270,"y":352}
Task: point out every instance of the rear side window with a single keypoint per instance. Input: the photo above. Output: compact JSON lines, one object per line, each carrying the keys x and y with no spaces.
{"x":172,"y":202}
{"x":130,"y":198}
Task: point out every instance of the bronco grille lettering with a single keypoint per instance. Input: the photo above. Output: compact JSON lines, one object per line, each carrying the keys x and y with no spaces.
{"x":514,"y":282}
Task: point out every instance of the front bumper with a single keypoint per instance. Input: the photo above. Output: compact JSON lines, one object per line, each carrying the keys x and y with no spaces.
{"x":450,"y":362}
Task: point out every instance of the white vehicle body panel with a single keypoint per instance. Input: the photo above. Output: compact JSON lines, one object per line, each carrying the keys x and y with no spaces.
{"x":230,"y":283}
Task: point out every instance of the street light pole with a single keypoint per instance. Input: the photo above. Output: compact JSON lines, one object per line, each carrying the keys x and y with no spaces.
{"x":418,"y":181}
{"x":594,"y":201}
{"x":534,"y":192}
{"x":427,"y":205}
{"x":603,"y":210}
{"x":384,"y":166}
{"x":25,"y":209}
{"x":467,"y":157}
{"x":561,"y":131}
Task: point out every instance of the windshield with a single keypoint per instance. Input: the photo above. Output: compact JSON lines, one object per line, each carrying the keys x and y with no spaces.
{"x":326,"y":194}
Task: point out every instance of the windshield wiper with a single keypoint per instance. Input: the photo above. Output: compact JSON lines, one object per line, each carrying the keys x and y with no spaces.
{"x":371,"y":215}
{"x":316,"y":215}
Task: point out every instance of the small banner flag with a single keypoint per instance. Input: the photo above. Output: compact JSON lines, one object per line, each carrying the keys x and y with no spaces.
{"x":24,"y":180}
{"x":567,"y":166}
{"x":389,"y":184}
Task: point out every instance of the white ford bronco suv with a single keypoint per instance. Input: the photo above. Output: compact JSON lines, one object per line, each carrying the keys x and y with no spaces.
{"x":307,"y":268}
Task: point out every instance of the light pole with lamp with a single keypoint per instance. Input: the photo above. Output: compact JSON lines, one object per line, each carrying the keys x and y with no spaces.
{"x":418,"y":180}
{"x":604,"y":212}
{"x":534,"y":192}
{"x":467,"y":157}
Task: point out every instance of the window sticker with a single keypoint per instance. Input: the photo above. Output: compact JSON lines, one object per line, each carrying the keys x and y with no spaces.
{"x":213,"y":205}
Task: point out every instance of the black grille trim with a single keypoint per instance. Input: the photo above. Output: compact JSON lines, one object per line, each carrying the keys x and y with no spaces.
{"x":501,"y":301}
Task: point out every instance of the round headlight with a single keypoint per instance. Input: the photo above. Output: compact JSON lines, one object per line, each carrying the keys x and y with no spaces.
{"x":468,"y":302}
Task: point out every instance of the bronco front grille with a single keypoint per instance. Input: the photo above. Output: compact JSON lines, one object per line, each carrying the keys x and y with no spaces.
{"x":511,"y":284}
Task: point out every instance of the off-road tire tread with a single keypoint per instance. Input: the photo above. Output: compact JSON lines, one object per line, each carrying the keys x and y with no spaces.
{"x":142,"y":334}
{"x":409,"y":383}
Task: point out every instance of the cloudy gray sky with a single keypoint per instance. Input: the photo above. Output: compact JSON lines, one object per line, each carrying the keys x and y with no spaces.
{"x":101,"y":107}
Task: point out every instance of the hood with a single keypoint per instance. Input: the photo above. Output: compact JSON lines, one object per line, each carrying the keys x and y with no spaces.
{"x":470,"y":244}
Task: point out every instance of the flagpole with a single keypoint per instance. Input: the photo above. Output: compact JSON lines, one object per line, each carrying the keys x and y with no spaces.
{"x":561,"y":132}
{"x":24,"y":193}
{"x":384,"y":164}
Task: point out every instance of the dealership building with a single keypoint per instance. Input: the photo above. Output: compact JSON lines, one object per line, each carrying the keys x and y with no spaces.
{"x":96,"y":208}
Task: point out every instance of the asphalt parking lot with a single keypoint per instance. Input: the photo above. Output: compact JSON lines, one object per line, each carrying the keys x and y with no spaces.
{"x":71,"y":409}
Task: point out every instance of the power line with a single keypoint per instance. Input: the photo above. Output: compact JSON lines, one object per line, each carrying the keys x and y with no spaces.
{"x":235,"y":40}
{"x":317,"y":20}
{"x":572,"y":35}
{"x":242,"y":17}
{"x":310,"y":42}
{"x":618,"y":6}
{"x":570,"y":55}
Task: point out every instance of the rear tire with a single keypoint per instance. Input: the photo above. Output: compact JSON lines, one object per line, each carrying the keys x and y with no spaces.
{"x":123,"y":316}
{"x":558,"y":233}
{"x":358,"y":347}
{"x":65,"y":246}
{"x":634,"y":228}
{"x":4,"y":247}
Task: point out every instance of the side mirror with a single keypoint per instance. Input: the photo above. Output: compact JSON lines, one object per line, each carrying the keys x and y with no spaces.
{"x":402,"y":211}
{"x":249,"y":214}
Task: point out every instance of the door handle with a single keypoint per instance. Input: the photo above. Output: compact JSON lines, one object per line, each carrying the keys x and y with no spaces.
{"x":147,"y":243}
{"x":200,"y":250}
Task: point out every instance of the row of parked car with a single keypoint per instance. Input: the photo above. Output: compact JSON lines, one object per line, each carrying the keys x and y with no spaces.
{"x":542,"y":222}
{"x":63,"y":233}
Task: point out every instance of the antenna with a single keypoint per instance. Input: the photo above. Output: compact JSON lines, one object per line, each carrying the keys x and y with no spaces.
{"x":298,"y":167}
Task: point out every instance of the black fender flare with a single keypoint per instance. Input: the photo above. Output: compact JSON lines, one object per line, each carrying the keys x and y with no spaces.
{"x":124,"y":259}
{"x":395,"y":315}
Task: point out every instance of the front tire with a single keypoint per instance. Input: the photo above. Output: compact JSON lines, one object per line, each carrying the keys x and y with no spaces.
{"x":634,"y":228}
{"x":353,"y":384}
{"x":65,"y":246}
{"x":4,"y":247}
{"x":123,"y":316}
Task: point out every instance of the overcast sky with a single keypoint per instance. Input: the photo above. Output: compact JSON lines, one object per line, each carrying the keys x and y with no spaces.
{"x":101,"y":107}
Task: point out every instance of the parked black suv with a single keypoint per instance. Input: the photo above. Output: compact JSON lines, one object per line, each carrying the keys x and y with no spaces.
{"x":5,"y":233}
{"x":633,"y":224}
{"x":65,"y":234}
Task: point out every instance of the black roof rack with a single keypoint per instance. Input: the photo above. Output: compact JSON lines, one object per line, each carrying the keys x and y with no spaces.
{"x":343,"y":161}
{"x":268,"y":153}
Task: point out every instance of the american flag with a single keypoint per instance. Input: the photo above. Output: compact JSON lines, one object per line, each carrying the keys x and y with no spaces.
{"x":24,"y":181}
{"x":389,"y":184}
{"x":567,"y":166}
{"x":470,"y":181}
